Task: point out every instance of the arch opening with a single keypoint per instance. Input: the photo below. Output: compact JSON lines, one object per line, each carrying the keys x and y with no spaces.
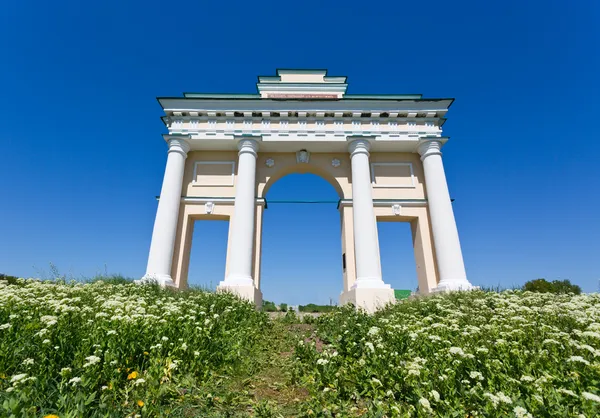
{"x":397,"y":255}
{"x":301,"y":250}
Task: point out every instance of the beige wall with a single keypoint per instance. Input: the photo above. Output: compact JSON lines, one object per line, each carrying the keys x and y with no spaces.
{"x":393,"y":182}
{"x":210,"y":178}
{"x":210,"y":185}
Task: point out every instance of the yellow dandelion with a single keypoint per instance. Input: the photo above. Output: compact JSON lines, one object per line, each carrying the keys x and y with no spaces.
{"x":146,"y":353}
{"x":140,"y":404}
{"x":51,"y":416}
{"x":132,"y":375}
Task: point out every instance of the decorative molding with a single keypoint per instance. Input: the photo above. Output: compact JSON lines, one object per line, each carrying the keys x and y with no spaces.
{"x":413,"y":203}
{"x":336,"y":162}
{"x":270,"y":162}
{"x":393,"y":186}
{"x":195,"y":174}
{"x":260,"y":201}
{"x":302,"y":156}
{"x":208,"y":207}
{"x":396,"y":209}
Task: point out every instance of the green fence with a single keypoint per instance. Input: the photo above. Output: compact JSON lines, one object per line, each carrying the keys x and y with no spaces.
{"x":402,"y":294}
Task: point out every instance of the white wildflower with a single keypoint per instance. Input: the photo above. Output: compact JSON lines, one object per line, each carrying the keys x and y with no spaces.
{"x":18,"y":377}
{"x":493,"y":398}
{"x":322,"y":361}
{"x":370,"y":346}
{"x":425,"y":404}
{"x":49,"y":320}
{"x":435,"y":394}
{"x":373,"y":331}
{"x":28,"y":361}
{"x":75,"y":380}
{"x":5,"y":326}
{"x":111,"y":332}
{"x":521,"y":412}
{"x":567,"y":392}
{"x":578,"y":359}
{"x":476,"y":375}
{"x":590,"y":396}
{"x":165,"y":338}
{"x":457,"y":351}
{"x":526,"y":378}
{"x":92,"y":360}
{"x":503,"y":398}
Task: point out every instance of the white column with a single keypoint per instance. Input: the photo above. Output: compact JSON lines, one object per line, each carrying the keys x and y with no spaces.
{"x":366,"y":247}
{"x":165,"y":224}
{"x":450,"y":262}
{"x":242,"y":236}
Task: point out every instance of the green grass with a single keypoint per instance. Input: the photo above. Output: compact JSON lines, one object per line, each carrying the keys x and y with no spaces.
{"x":110,"y":348}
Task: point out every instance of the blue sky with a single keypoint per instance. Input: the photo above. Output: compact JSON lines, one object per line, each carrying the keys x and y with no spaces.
{"x":83,"y":158}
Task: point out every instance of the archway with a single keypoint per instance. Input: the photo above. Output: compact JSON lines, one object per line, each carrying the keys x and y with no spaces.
{"x":381,"y":154}
{"x":301,"y":249}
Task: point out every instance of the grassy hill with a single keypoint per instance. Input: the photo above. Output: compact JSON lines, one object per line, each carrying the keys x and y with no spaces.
{"x":103,"y":350}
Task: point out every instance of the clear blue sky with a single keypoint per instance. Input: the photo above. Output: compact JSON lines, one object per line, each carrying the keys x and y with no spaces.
{"x":82,"y":153}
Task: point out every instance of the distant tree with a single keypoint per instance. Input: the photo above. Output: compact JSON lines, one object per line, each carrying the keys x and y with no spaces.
{"x":565,"y":286}
{"x":556,"y":286}
{"x":283,"y":307}
{"x":268,"y":306}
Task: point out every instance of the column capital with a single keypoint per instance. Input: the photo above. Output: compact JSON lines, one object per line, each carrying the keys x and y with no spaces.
{"x":179,"y":145}
{"x":429,"y":147}
{"x":359,"y":146}
{"x":248,"y":145}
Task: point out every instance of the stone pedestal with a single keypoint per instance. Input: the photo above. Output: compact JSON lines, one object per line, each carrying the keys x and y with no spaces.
{"x":249,"y":293}
{"x":370,"y":299}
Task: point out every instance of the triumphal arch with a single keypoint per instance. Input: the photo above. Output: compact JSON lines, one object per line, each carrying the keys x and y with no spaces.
{"x":382,"y":153}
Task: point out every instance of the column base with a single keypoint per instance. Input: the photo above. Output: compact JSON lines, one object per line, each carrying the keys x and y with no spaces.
{"x":247,"y":292}
{"x":164,"y":280}
{"x":453,"y":286}
{"x":369,"y":299}
{"x":236,"y":280}
{"x":370,"y":283}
